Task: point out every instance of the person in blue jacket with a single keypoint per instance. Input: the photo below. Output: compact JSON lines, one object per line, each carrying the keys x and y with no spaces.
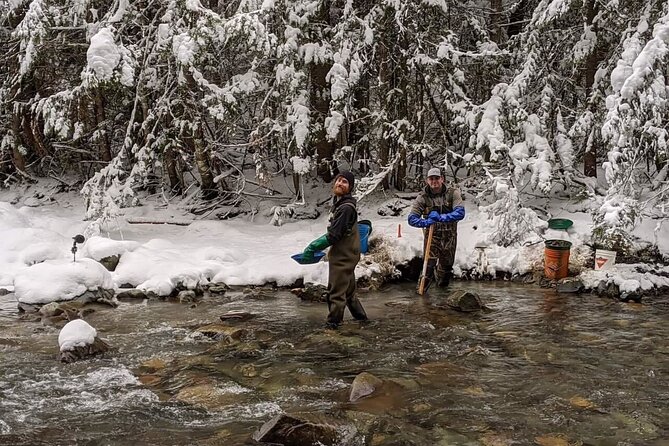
{"x":443,"y":207}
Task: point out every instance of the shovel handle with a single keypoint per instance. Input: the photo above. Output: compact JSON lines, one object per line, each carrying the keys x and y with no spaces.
{"x":426,"y":258}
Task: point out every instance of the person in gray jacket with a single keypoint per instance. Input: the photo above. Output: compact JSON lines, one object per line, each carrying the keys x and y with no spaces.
{"x":443,"y":207}
{"x":344,"y":239}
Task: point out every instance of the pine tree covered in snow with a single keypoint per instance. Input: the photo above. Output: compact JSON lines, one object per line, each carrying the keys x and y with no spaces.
{"x":202,"y":98}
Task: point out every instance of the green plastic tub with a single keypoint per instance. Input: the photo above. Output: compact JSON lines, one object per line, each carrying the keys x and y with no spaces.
{"x":560,"y":223}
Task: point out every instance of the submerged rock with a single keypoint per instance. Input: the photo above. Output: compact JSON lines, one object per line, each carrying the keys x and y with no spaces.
{"x":236,"y":316}
{"x":219,"y":332}
{"x":466,"y":301}
{"x":299,"y":430}
{"x":364,"y":384}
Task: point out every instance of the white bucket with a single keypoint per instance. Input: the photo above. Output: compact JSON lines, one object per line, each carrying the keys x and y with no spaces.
{"x":604,"y":259}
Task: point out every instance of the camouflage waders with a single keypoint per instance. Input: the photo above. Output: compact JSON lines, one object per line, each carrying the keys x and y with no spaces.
{"x":445,"y":236}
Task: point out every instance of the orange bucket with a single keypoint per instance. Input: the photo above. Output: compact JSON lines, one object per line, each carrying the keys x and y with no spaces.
{"x":556,"y":259}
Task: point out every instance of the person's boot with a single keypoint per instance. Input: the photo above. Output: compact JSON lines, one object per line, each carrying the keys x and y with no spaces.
{"x":444,"y":279}
{"x":356,"y":309}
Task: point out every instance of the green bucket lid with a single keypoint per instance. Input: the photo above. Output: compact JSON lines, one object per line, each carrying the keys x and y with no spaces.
{"x":560,"y":223}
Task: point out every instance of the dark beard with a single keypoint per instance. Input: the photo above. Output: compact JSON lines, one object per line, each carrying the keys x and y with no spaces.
{"x":337,"y":192}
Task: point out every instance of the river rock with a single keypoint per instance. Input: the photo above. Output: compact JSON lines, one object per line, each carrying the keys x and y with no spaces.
{"x":569,"y":285}
{"x":311,"y":293}
{"x":236,"y":316}
{"x":218,"y":288}
{"x":219,"y":331}
{"x":87,"y":351}
{"x":608,"y":289}
{"x":101,"y":295}
{"x":4,"y":291}
{"x":363,"y":385}
{"x":298,"y":430}
{"x":259,"y":293}
{"x":110,"y":262}
{"x":187,"y":296}
{"x":466,"y":301}
{"x":132,"y":294}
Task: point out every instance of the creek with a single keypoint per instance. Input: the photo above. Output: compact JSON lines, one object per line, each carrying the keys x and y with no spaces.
{"x":536,"y":368}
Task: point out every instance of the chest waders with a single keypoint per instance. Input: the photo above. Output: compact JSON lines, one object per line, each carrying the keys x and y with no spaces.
{"x":342,"y":259}
{"x":444,"y":241}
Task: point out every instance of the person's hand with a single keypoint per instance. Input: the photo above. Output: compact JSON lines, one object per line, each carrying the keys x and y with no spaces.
{"x":317,"y":245}
{"x":445,"y":218}
{"x":432,"y":218}
{"x":308,"y":254}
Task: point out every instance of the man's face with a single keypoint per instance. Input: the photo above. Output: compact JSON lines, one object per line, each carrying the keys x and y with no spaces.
{"x":341,"y":187}
{"x":435,"y":183}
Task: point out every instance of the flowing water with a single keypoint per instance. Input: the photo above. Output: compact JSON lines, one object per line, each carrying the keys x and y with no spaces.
{"x":536,"y":368}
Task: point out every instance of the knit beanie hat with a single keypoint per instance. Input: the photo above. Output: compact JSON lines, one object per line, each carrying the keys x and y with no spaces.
{"x":349,"y":177}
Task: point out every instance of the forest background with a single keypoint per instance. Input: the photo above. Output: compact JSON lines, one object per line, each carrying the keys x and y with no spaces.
{"x":198,"y":100}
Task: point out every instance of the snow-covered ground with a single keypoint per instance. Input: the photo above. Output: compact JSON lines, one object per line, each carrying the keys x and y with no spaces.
{"x":36,"y":241}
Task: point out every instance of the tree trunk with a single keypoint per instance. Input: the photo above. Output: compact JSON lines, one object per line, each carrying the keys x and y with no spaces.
{"x":496,"y":20}
{"x":17,"y":157}
{"x":298,"y":186}
{"x":320,"y":102}
{"x":590,"y":155}
{"x":385,"y":79}
{"x":104,"y":145}
{"x":359,"y":129}
{"x":203,"y":163}
{"x":171,"y":164}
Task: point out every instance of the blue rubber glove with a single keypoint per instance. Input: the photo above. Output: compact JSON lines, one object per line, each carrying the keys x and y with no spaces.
{"x":417,"y":222}
{"x":434,"y":216}
{"x":456,"y":215}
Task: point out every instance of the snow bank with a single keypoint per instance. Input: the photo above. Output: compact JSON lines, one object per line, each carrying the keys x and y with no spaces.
{"x":57,"y":280}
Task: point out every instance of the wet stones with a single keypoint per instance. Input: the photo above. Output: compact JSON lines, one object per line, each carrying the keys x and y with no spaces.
{"x":569,"y":285}
{"x":78,"y":353}
{"x":364,"y":384}
{"x":187,"y":296}
{"x":100,"y":295}
{"x":465,"y":301}
{"x":311,"y":293}
{"x":219,"y":332}
{"x":218,"y":288}
{"x":78,"y":340}
{"x":236,"y":316}
{"x":298,"y":430}
{"x":133,"y":294}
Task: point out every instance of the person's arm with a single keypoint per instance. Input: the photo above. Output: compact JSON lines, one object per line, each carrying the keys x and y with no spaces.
{"x":415,"y":214}
{"x":319,"y":244}
{"x":458,"y":212}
